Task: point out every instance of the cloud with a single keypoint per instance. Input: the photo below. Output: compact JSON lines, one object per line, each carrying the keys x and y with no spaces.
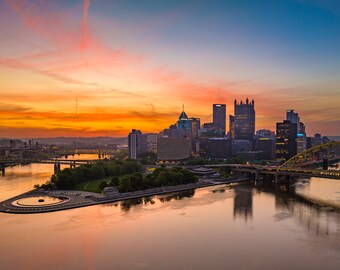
{"x":14,"y":108}
{"x":17,"y":64}
{"x":69,"y":48}
{"x":111,"y":81}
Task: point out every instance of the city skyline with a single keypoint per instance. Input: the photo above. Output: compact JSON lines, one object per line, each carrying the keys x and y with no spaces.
{"x":93,"y":68}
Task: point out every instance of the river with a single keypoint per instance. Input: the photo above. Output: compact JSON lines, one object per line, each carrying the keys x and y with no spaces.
{"x":223,"y":227}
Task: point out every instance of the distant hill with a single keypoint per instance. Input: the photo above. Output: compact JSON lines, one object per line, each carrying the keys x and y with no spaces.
{"x":334,"y":138}
{"x":86,"y":140}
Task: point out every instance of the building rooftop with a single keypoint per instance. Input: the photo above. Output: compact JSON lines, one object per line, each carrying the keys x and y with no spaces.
{"x":183,"y":116}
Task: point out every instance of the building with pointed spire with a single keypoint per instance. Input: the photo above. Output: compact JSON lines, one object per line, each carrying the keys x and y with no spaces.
{"x":183,"y":121}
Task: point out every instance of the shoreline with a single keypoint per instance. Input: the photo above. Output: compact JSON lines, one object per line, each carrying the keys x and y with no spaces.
{"x":77,"y":199}
{"x":319,"y":201}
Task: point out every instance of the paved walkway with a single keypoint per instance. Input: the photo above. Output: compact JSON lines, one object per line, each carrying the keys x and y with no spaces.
{"x":75,"y":199}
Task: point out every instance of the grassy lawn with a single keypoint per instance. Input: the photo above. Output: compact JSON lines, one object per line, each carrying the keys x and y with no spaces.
{"x":91,"y":186}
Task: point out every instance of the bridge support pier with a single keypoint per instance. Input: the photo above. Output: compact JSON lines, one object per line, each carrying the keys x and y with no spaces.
{"x":56,"y":167}
{"x":325,"y":164}
{"x":288,"y":178}
{"x":2,"y":169}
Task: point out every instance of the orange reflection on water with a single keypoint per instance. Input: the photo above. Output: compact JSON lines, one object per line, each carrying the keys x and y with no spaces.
{"x":238,"y":227}
{"x":321,"y":190}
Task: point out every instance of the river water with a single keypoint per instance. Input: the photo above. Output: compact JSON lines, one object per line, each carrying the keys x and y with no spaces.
{"x":223,"y":227}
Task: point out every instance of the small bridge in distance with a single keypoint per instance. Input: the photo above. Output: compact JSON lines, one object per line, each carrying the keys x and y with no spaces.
{"x":57,"y":162}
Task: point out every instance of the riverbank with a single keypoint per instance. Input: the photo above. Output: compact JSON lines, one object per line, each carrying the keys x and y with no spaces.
{"x":76,"y":199}
{"x":319,"y":201}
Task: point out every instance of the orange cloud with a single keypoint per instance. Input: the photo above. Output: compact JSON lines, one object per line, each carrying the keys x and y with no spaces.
{"x":114,"y":86}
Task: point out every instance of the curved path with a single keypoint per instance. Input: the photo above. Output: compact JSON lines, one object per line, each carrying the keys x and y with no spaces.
{"x":77,"y":199}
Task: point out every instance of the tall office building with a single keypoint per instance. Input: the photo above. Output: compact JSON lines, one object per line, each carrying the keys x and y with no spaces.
{"x":286,"y":135}
{"x":137,"y":143}
{"x":244,"y":120}
{"x":267,"y":146}
{"x":218,"y":148}
{"x":219,"y":117}
{"x":294,"y":118}
{"x":183,"y":121}
{"x":195,"y":124}
{"x":301,"y":130}
{"x":231,"y":127}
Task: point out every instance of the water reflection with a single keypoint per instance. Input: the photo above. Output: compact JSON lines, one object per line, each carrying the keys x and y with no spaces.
{"x":321,"y":220}
{"x":178,"y":196}
{"x":243,"y":202}
{"x":191,"y":231}
{"x":227,"y":226}
{"x":128,"y":204}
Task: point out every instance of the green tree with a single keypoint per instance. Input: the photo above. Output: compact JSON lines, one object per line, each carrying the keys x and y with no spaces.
{"x":111,"y":169}
{"x":157,"y":172}
{"x":114,"y":181}
{"x":189,"y":177}
{"x":117,"y":170}
{"x":136,"y":181}
{"x":103,"y":185}
{"x":98,"y":171}
{"x":66,"y":179}
{"x":178,"y":178}
{"x":148,"y":158}
{"x":80,"y":174}
{"x":149,"y":181}
{"x":162,"y":178}
{"x":128,"y":168}
{"x":125,"y":184}
{"x":87,"y":172}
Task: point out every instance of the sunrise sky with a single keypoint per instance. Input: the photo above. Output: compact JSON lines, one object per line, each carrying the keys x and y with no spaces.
{"x":101,"y":68}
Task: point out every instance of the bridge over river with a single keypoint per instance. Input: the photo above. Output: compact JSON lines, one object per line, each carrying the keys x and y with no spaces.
{"x":56,"y":162}
{"x":278,"y":171}
{"x":304,"y":164}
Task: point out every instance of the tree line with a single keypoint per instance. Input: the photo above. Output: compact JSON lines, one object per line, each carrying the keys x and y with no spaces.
{"x":158,"y":178}
{"x":69,"y":177}
{"x":126,"y":176}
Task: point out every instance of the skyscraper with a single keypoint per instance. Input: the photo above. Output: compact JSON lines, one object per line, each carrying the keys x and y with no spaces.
{"x":219,"y":117}
{"x":244,"y":120}
{"x":183,"y":121}
{"x":286,"y":134}
{"x":301,"y":130}
{"x":231,"y":127}
{"x":195,"y":125}
{"x":137,"y":143}
{"x":294,"y":118}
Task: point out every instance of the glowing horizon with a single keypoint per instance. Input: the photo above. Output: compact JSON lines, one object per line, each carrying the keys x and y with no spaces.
{"x":96,"y":68}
